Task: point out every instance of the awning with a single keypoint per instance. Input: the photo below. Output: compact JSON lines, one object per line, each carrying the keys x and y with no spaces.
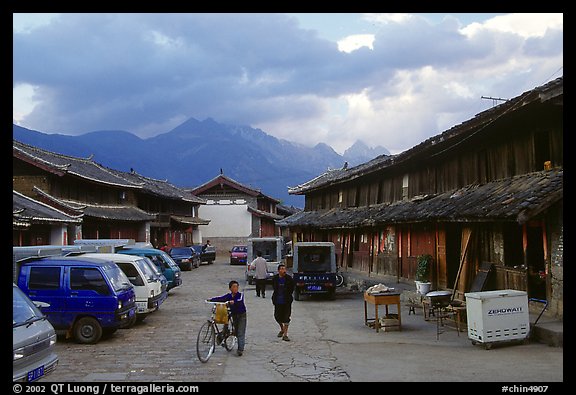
{"x":264,"y":214}
{"x":189,"y":220}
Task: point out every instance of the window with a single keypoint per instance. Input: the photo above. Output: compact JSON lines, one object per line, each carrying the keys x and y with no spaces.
{"x":405,"y":187}
{"x":131,"y":272}
{"x":87,"y":279}
{"x":340,"y":196}
{"x":44,"y":278}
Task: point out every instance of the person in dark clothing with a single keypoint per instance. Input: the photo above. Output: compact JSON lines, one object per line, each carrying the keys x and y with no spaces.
{"x":205,"y":246}
{"x":235,"y":300}
{"x":283,"y":286}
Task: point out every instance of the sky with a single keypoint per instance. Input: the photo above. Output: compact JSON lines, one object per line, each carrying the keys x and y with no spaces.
{"x":387,"y":79}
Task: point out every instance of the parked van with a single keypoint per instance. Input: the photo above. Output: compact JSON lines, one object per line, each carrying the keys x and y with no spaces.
{"x":22,"y":252}
{"x":87,"y":296}
{"x":314,"y":269}
{"x":162,"y":260}
{"x":33,"y":340}
{"x":272,"y":249}
{"x":158,"y":273}
{"x":147,"y":285}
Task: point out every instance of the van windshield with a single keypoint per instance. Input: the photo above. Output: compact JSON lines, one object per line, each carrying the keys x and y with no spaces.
{"x":118,"y":279}
{"x":169,"y":261}
{"x":152,"y":266}
{"x":314,"y":260}
{"x":146,"y":269}
{"x":23,"y":310}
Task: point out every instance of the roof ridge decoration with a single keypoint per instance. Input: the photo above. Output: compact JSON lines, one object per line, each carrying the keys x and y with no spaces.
{"x":36,"y":158}
{"x":70,"y":204}
{"x":79,"y":216}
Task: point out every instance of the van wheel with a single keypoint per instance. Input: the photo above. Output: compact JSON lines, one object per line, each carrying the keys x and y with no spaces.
{"x":87,"y":330}
{"x":130,"y":322}
{"x":332,"y":295}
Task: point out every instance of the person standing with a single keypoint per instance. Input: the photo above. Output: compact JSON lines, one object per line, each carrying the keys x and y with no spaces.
{"x":283,"y":286}
{"x":205,"y":246}
{"x":238,"y":309}
{"x":261,"y":273}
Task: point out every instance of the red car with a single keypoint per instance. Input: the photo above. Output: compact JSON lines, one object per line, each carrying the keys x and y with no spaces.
{"x":238,"y":255}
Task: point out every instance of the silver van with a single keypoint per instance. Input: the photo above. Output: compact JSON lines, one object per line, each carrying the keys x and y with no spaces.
{"x":147,"y":285}
{"x":33,"y":339}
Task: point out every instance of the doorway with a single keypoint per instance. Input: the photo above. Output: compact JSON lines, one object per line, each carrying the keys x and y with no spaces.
{"x":536,"y":261}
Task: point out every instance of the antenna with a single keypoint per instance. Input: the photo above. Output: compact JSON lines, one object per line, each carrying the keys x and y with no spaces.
{"x":494,"y":99}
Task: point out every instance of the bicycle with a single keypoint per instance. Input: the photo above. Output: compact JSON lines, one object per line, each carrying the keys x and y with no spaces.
{"x":210,"y":334}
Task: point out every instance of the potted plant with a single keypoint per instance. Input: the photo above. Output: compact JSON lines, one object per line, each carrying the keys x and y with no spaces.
{"x":423,"y":283}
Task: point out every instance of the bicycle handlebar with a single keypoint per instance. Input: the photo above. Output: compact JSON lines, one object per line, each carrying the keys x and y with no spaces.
{"x":209,"y":301}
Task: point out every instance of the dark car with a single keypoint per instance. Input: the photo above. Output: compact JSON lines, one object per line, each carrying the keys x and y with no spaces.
{"x":207,"y":255}
{"x":238,"y":255}
{"x":185,"y":257}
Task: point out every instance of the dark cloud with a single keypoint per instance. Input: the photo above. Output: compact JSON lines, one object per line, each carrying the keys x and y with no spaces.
{"x":145,"y":72}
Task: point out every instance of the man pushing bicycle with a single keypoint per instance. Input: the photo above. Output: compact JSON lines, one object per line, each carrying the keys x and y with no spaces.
{"x":235,"y":300}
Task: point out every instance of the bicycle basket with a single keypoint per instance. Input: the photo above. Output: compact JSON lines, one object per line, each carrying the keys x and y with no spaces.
{"x":221,"y":315}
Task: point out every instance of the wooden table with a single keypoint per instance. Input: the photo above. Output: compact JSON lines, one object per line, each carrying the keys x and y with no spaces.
{"x":385,"y":298}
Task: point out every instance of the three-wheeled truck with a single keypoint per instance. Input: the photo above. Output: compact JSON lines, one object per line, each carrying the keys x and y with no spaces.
{"x":314,"y":269}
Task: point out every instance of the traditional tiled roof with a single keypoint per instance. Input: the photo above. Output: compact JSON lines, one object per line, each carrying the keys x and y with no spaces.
{"x":87,"y":169}
{"x":265,"y":214}
{"x":286,"y":210}
{"x":225,"y":180}
{"x":516,"y":199}
{"x":160,"y":188}
{"x":189,"y":220}
{"x":84,"y":168}
{"x":26,"y":211}
{"x":551,"y":92}
{"x":119,"y":213}
{"x":116,"y":212}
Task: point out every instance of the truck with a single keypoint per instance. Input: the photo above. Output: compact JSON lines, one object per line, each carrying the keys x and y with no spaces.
{"x":272,"y":249}
{"x":314,"y":269}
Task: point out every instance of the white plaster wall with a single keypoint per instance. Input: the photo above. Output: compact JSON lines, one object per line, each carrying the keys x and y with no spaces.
{"x":58,"y":234}
{"x":226,"y":220}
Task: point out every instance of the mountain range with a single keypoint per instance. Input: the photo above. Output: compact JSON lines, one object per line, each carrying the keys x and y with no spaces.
{"x":195,"y":151}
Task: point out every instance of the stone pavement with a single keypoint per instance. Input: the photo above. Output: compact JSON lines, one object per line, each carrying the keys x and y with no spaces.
{"x":330,"y":343}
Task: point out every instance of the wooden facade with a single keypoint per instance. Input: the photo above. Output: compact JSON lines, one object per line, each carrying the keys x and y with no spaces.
{"x":487,"y":190}
{"x":110,"y":203}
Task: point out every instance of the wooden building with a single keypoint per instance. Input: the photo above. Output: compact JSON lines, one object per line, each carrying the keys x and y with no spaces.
{"x":111,"y":203}
{"x":36,"y":223}
{"x":236,"y":211}
{"x":485,"y":193}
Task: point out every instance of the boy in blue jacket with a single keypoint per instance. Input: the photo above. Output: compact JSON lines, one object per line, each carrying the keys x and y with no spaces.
{"x":235,"y":300}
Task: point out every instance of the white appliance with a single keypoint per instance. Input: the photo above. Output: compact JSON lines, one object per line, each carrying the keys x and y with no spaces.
{"x":496,"y":316}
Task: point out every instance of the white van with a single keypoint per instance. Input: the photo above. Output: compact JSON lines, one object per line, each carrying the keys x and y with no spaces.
{"x":147,"y":285}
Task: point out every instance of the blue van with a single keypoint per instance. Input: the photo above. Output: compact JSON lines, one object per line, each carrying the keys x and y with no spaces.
{"x":87,"y":297}
{"x":162,"y":260}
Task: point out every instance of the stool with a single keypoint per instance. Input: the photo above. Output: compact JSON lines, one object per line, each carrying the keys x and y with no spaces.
{"x":411,"y":306}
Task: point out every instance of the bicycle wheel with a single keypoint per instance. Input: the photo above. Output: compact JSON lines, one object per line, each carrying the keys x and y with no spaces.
{"x":339,"y":280}
{"x":229,"y":335}
{"x":230,"y":342}
{"x":205,"y":342}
